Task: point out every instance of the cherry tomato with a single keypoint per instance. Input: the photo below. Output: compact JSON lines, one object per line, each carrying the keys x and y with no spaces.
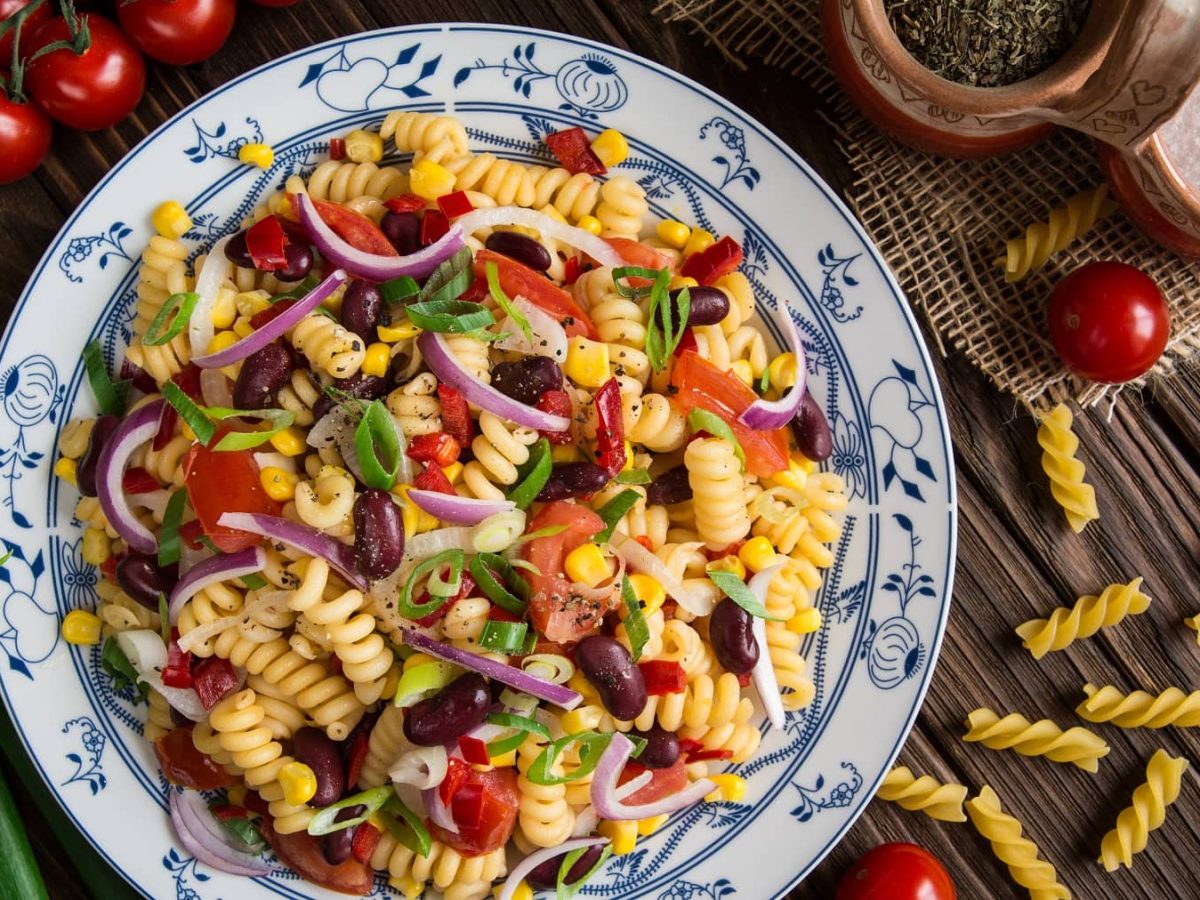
{"x":520,"y":280}
{"x":896,"y":872}
{"x":301,"y":852}
{"x":184,"y":765}
{"x":1108,"y":321}
{"x":663,"y":782}
{"x":276,"y":3}
{"x":34,"y":21}
{"x":24,"y":138}
{"x":492,"y":814}
{"x":93,"y":89}
{"x":221,"y":481}
{"x":179,"y":32}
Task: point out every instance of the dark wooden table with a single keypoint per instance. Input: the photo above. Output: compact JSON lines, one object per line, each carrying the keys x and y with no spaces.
{"x":1017,"y":559}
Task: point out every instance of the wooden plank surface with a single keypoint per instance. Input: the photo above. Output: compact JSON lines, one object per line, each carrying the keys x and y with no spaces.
{"x":1017,"y":559}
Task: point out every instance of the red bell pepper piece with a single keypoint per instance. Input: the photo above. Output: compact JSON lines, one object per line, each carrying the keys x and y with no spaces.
{"x":166,"y":427}
{"x":225,"y":811}
{"x":474,"y":750}
{"x":558,"y":402}
{"x":457,"y":774}
{"x":188,"y":381}
{"x":500,"y":614}
{"x":354,"y":228}
{"x":465,"y":588}
{"x":108,"y":568}
{"x":610,"y":428}
{"x":663,"y":676}
{"x":573,"y":149}
{"x":138,"y":481}
{"x":638,"y":254}
{"x":265,"y":242}
{"x":708,"y":265}
{"x":687,"y":341}
{"x":434,"y":224}
{"x":213,"y":678}
{"x":456,"y":415}
{"x":467,"y":805}
{"x":702,"y":755}
{"x":405,"y":203}
{"x":358,"y":755}
{"x":256,"y":804}
{"x":263,"y":316}
{"x":177,"y":672}
{"x":337,"y":148}
{"x":439,"y":448}
{"x":433,"y":479}
{"x":539,"y":290}
{"x":645,"y":541}
{"x":189,"y":534}
{"x":572,"y":270}
{"x":362,"y":845}
{"x":454,"y":205}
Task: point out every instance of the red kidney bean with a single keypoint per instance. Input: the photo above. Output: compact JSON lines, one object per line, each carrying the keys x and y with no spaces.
{"x":338,"y":845}
{"x":671,"y":486}
{"x":141,"y":578}
{"x":730,"y":630}
{"x":575,"y":479}
{"x":450,"y":713}
{"x":316,"y":750}
{"x":262,"y":374}
{"x":361,"y":306}
{"x":708,"y":306}
{"x":85,"y":468}
{"x":527,"y":379}
{"x":661,"y":750}
{"x":545,"y":876}
{"x":403,"y":230}
{"x":612,"y":672}
{"x":299,"y":262}
{"x":237,"y":252}
{"x":813,"y":436}
{"x":378,"y":534}
{"x":520,"y":247}
{"x":358,"y":385}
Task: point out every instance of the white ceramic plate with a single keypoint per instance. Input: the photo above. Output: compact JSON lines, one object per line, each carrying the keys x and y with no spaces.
{"x":885,"y":598}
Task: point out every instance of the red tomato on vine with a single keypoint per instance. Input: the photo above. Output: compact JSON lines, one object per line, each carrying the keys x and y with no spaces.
{"x":179,"y":32}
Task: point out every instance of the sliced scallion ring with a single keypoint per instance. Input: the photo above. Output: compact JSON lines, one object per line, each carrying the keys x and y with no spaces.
{"x":702,"y":420}
{"x":591,"y":747}
{"x":405,"y":606}
{"x":549,"y":667}
{"x":498,"y":531}
{"x":450,"y":316}
{"x":503,"y":301}
{"x":171,"y":318}
{"x":278,"y":419}
{"x":636,"y":628}
{"x":523,"y":724}
{"x":378,"y":447}
{"x":509,"y":591}
{"x":111,"y":396}
{"x":412,"y":832}
{"x":192,"y":414}
{"x":372,"y":800}
{"x":614,"y":511}
{"x":503,"y":637}
{"x":533,"y":475}
{"x":168,"y":537}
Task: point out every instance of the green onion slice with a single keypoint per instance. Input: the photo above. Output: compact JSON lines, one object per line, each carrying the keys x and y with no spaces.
{"x":114,"y":662}
{"x":613,"y":511}
{"x":532,"y":475}
{"x":412,"y":832}
{"x":378,"y":447}
{"x":636,"y":628}
{"x":620,"y":273}
{"x":399,"y":289}
{"x":450,"y":278}
{"x":254,"y":582}
{"x":633,"y":476}
{"x":591,"y":747}
{"x":503,"y":301}
{"x":164,"y":618}
{"x":168,"y":537}
{"x":564,"y":891}
{"x":453,"y":558}
{"x":764,"y":383}
{"x":735,"y":589}
{"x":523,"y":724}
{"x":111,"y":396}
{"x":372,"y":801}
{"x":549,"y":667}
{"x":244,"y":831}
{"x":450,"y":316}
{"x":192,"y":414}
{"x":500,"y":583}
{"x":664,"y":328}
{"x":424,"y":681}
{"x":445,"y":587}
{"x":177,"y":309}
{"x":278,"y":419}
{"x":503,"y":637}
{"x":703,"y":420}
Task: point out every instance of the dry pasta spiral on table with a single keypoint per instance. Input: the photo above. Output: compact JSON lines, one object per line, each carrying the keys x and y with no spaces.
{"x":1043,"y":738}
{"x":1059,"y":446}
{"x":1146,"y":811}
{"x":926,"y":794}
{"x":1044,"y":239}
{"x":1018,"y":853}
{"x":1139,"y":709}
{"x":1088,"y":615}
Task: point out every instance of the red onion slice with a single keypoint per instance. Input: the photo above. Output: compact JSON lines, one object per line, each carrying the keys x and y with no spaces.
{"x":604,"y":787}
{"x":445,"y":365}
{"x":459,"y":510}
{"x":643,"y":560}
{"x":133,"y":431}
{"x":522,"y":681}
{"x":205,"y":838}
{"x":215,"y":389}
{"x":369,"y":265}
{"x":491,"y":216}
{"x":533,"y":860}
{"x":212,"y":571}
{"x":259,"y":338}
{"x":216,"y":269}
{"x":301,"y":537}
{"x":765,"y":415}
{"x":763,"y":673}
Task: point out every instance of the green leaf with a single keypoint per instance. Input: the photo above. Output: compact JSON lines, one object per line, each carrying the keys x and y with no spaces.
{"x":533,"y":475}
{"x":591,"y":747}
{"x":114,"y":661}
{"x":564,"y":891}
{"x":192,"y":414}
{"x":633,"y":476}
{"x":243,"y":830}
{"x":503,"y":301}
{"x":702,"y":420}
{"x":279,"y":419}
{"x":399,"y":289}
{"x":636,"y":628}
{"x":450,"y":316}
{"x":171,"y":318}
{"x":664,"y":311}
{"x":620,"y":273}
{"x":613,"y":511}
{"x":444,"y":283}
{"x":168,"y":537}
{"x":111,"y":396}
{"x":378,"y":447}
{"x":735,"y":589}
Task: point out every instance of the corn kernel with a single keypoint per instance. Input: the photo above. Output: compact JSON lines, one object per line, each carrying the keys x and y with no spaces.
{"x":171,"y":220}
{"x":728,"y":564}
{"x":81,"y":627}
{"x":587,"y":564}
{"x":418,"y":659}
{"x":186,"y":430}
{"x":587,"y":362}
{"x":259,"y":155}
{"x":504,"y":759}
{"x":279,"y":483}
{"x":623,"y":835}
{"x":731,"y":788}
{"x":550,"y":210}
{"x":584,"y":718}
{"x":523,"y":892}
{"x":298,"y":781}
{"x":741,"y":368}
{"x":236,"y":794}
{"x":225,"y":311}
{"x":611,"y":147}
{"x":649,"y":590}
{"x":290,"y":441}
{"x":364,"y":146}
{"x":250,"y":303}
{"x":794,"y":477}
{"x":699,"y":241}
{"x":757,"y":554}
{"x":453,"y":472}
{"x":681,"y":281}
{"x":408,"y":886}
{"x":96,"y":546}
{"x":565,"y":453}
{"x":579,"y":684}
{"x":782,"y":371}
{"x":805,"y":622}
{"x":377,"y":360}
{"x":590,"y":224}
{"x":628,"y":457}
{"x":410,"y":517}
{"x":242,"y":327}
{"x":803,"y":463}
{"x":222,"y":340}
{"x":672,"y":233}
{"x":428,"y":180}
{"x":65,"y":469}
{"x":400,"y":332}
{"x":647,"y":827}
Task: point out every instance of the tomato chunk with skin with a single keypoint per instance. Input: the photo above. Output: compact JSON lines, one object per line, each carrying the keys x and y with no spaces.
{"x":637,"y":254}
{"x":558,"y":612}
{"x":225,"y":481}
{"x":697,"y":382}
{"x":184,"y":765}
{"x":301,"y":852}
{"x":663,"y":782}
{"x":484,"y":808}
{"x":520,"y":280}
{"x":354,"y":228}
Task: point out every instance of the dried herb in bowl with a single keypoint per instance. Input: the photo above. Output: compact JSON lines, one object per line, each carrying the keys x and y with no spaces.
{"x":986,"y":43}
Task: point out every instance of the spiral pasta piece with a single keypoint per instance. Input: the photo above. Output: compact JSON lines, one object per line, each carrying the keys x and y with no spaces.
{"x":1018,"y":853}
{"x":328,"y":346}
{"x":622,"y":208}
{"x":1043,"y":738}
{"x":573,"y":196}
{"x":211,"y":604}
{"x":544,"y":816}
{"x":508,"y":183}
{"x":716,"y":480}
{"x":926,"y":794}
{"x":119,"y":612}
{"x":1059,"y":445}
{"x":1084,"y":619}
{"x":1146,"y":811}
{"x":418,"y":132}
{"x":158,"y":716}
{"x":361,"y":187}
{"x":736,"y":286}
{"x":385,"y":745}
{"x":620,"y":322}
{"x":163,"y":272}
{"x":327,"y":502}
{"x":1042,"y":240}
{"x":1140,"y":709}
{"x":499,"y":449}
{"x":473,"y":354}
{"x":654,"y":422}
{"x":458,"y":877}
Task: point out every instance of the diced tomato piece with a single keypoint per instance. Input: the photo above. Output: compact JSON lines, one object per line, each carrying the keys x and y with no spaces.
{"x":698,"y":382}
{"x":263,"y":316}
{"x":225,"y":811}
{"x":572,"y":270}
{"x":485,"y":810}
{"x":663,"y":676}
{"x":610,"y":430}
{"x":337,"y":148}
{"x":573,"y":149}
{"x":638,"y":254}
{"x":108,"y":568}
{"x":721,"y":553}
{"x":703,"y":755}
{"x":457,"y":774}
{"x":405,"y":203}
{"x":474,"y":751}
{"x":138,"y":481}
{"x":434,"y":224}
{"x":517,"y":279}
{"x":456,"y":415}
{"x":718,"y":260}
{"x":439,"y":448}
{"x":433,"y":479}
{"x":645,"y":541}
{"x":500,"y":614}
{"x":557,"y":402}
{"x":225,"y":481}
{"x":265,"y":242}
{"x":663,"y":782}
{"x":184,"y":765}
{"x":687,"y":341}
{"x":362,"y":845}
{"x":455,"y":204}
{"x":213,"y":678}
{"x":358,"y":755}
{"x":177,"y":673}
{"x":354,"y":228}
{"x":301,"y":852}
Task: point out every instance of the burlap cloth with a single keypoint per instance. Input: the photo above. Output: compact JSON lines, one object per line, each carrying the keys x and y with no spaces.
{"x":941,"y":223}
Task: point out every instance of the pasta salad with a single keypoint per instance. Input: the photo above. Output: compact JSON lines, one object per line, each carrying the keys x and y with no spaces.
{"x":451,"y":516}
